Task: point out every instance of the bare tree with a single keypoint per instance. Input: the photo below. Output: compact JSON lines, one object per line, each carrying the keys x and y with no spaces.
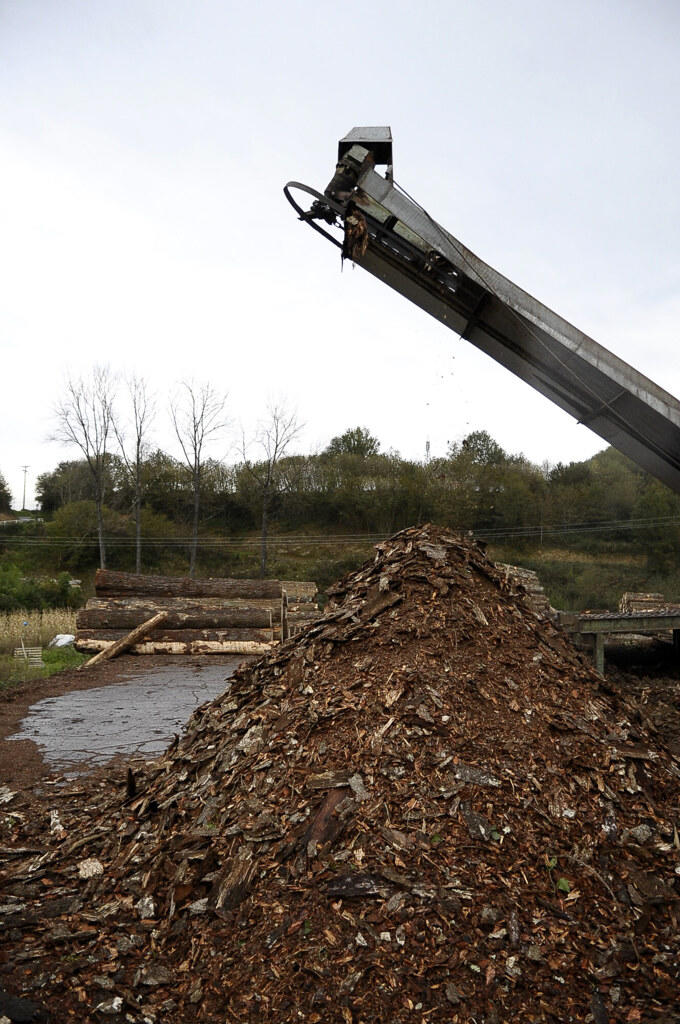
{"x":142,"y":409}
{"x":273,"y":438}
{"x":197,"y":416}
{"x":84,"y":419}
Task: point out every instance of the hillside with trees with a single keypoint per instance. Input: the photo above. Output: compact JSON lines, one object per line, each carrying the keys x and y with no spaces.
{"x":591,"y":529}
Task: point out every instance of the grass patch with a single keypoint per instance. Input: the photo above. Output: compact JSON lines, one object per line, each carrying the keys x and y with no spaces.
{"x":59,"y":658}
{"x":15,"y":671}
{"x":553,"y":554}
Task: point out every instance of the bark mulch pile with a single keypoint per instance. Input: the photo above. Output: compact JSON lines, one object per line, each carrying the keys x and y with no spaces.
{"x":425,"y":807}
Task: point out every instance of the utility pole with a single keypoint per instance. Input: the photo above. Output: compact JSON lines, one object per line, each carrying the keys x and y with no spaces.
{"x":23,"y":504}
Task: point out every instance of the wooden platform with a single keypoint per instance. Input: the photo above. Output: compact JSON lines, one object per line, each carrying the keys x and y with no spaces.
{"x":595,"y":627}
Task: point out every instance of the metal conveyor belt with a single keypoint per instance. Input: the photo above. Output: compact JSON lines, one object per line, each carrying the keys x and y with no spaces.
{"x":390,"y":235}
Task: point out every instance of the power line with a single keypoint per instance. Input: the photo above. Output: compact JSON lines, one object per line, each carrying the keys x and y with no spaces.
{"x":289,"y":540}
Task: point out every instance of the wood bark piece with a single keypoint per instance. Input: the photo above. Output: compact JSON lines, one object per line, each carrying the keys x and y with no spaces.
{"x":109,"y":583}
{"x":112,"y":650}
{"x":328,"y":780}
{"x":193,"y":618}
{"x":232,"y":887}
{"x":325,"y":827}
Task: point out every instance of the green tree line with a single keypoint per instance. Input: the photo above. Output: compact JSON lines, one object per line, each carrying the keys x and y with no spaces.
{"x":353,"y":487}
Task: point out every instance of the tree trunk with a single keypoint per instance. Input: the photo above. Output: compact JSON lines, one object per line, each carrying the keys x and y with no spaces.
{"x":190,"y":618}
{"x":170,"y":636}
{"x":300,"y":591}
{"x":263,"y":542}
{"x":157,"y":602}
{"x":138,"y":533}
{"x":112,"y":584}
{"x":100,"y":532}
{"x":138,"y":499}
{"x":194,"y":529}
{"x":302,"y":617}
{"x":126,"y":641}
{"x":244,"y":647}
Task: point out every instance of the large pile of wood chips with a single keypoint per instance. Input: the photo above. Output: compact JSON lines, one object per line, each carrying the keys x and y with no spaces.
{"x":425,"y":807}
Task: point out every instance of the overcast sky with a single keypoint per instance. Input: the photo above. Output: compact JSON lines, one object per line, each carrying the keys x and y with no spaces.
{"x":144,"y":147}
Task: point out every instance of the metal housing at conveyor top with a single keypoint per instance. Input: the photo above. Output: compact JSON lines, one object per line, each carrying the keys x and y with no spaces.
{"x":394,"y":238}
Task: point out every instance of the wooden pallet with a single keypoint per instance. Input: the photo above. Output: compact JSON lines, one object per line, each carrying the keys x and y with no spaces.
{"x":33,"y":655}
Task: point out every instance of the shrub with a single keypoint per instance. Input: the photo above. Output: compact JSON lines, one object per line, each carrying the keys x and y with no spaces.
{"x":21,"y":592}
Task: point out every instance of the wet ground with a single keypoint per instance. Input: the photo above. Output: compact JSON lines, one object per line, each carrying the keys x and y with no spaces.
{"x":136,"y":717}
{"x":77,"y":720}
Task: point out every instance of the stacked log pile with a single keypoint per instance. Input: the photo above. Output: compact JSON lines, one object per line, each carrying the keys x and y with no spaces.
{"x":203,"y":616}
{"x":631,"y":603}
{"x":528,"y":579}
{"x":302,"y":606}
{"x":426,"y":807}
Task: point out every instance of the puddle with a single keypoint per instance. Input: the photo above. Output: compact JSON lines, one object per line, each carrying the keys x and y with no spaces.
{"x":138,"y":716}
